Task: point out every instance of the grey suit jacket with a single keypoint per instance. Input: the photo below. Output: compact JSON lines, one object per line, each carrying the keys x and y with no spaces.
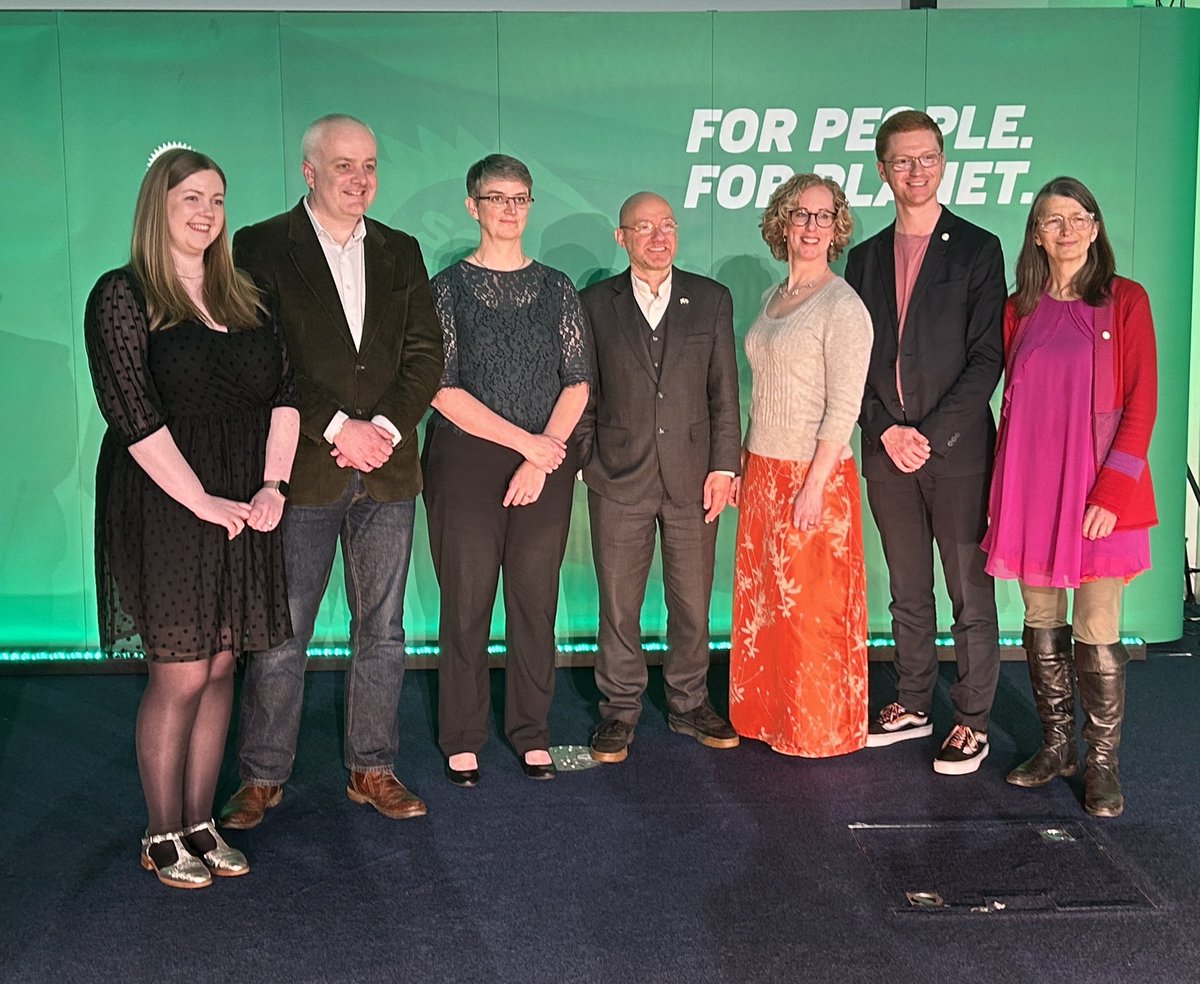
{"x":395,"y":372}
{"x":643,"y":431}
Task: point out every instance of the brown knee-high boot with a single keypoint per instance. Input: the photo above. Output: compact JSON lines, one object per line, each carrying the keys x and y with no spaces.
{"x":1048,"y":652}
{"x":1101,"y":673}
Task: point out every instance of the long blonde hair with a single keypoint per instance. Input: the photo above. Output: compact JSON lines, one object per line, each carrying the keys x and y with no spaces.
{"x":229,"y":295}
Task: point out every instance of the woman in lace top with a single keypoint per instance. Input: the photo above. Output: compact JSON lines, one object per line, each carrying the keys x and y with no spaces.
{"x":500,"y":469}
{"x":194,"y":384}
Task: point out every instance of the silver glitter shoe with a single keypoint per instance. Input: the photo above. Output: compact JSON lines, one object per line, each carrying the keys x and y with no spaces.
{"x":222,"y":860}
{"x":186,"y":871}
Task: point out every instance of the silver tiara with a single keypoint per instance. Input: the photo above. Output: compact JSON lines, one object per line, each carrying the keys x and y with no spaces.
{"x":163,"y":148}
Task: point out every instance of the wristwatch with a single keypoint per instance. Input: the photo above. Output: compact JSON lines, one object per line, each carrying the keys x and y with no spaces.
{"x":280,"y":486}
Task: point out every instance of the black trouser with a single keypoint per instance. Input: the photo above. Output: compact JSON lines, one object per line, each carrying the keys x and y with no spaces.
{"x":472,"y":537}
{"x":912,"y":511}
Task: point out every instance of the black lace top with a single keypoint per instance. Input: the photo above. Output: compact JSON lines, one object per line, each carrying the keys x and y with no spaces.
{"x":514,"y":339}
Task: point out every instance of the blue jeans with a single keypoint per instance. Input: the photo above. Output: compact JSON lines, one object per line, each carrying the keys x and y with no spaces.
{"x":376,"y":540}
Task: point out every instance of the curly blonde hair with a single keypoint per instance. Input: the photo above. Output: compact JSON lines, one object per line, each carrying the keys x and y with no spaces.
{"x":775,"y":219}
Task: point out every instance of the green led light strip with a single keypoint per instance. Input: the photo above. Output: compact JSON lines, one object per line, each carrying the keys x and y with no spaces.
{"x":495,"y":649}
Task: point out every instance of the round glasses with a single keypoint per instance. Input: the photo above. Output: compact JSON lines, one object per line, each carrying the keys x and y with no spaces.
{"x":1055,"y":224}
{"x":926,"y":161}
{"x":668,"y":227}
{"x":822,"y":217}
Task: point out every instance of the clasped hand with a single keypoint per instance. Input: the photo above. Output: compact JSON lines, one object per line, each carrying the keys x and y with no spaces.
{"x":362,"y":445}
{"x":906,"y":446}
{"x":544,"y":452}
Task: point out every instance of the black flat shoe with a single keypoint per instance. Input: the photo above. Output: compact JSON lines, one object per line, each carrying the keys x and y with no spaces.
{"x":462,"y":777}
{"x":538,"y":771}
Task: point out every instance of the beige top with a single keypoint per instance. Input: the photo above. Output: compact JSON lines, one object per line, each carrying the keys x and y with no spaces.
{"x":808,"y":371}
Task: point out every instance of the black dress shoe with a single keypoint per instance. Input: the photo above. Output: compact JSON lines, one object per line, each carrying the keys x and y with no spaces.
{"x":462,"y":777}
{"x":538,"y":771}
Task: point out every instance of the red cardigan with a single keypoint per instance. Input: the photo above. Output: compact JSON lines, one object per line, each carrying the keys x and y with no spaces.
{"x":1124,"y":402}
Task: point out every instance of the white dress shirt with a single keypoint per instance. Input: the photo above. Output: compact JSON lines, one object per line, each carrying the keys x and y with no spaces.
{"x":348,"y":269}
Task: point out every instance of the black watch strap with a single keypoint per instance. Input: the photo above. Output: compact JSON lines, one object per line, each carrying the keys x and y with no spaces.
{"x":280,"y":486}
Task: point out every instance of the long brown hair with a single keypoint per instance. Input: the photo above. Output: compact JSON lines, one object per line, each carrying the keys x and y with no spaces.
{"x":229,"y":295}
{"x":1092,"y":283}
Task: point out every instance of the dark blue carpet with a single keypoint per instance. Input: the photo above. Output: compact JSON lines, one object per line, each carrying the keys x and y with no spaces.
{"x":681,"y":865}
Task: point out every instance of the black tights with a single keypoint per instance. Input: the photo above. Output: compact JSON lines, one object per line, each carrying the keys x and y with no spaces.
{"x":181,"y":726}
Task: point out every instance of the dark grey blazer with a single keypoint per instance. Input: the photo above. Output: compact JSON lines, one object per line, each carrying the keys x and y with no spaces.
{"x":953,"y":346}
{"x":640,"y":428}
{"x":394,"y":373}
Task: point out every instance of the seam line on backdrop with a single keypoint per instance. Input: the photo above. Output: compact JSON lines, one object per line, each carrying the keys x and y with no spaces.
{"x":1137,"y":118}
{"x":712,"y":153}
{"x":284,"y":206}
{"x":76,"y":337}
{"x":499,"y":145}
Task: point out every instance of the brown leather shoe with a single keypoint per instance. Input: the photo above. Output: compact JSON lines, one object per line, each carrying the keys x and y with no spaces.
{"x":246,"y":807}
{"x":386,"y":793}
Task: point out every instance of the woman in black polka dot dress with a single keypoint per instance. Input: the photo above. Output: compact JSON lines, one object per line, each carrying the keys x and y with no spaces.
{"x":193,"y":381}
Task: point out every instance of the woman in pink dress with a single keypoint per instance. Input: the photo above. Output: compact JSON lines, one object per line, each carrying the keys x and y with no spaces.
{"x":1071,"y":501}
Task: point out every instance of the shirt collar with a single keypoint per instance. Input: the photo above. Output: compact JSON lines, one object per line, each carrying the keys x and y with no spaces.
{"x":642,"y":288}
{"x":357,"y":236}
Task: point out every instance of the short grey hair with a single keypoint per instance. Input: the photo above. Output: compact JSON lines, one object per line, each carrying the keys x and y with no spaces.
{"x":497,"y":166}
{"x":317,"y":129}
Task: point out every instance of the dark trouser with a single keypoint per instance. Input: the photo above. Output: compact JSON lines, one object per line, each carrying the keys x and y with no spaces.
{"x":376,"y":540}
{"x":911,"y":512}
{"x":623,"y":547}
{"x":472,"y":537}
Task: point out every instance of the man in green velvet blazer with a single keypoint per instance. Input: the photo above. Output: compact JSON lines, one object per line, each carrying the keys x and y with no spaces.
{"x":353,"y":301}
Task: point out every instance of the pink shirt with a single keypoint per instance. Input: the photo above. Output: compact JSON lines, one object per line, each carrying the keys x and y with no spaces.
{"x":910,"y":254}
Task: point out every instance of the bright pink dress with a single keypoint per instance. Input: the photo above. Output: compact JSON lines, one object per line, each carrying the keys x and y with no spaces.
{"x":1046,"y":461}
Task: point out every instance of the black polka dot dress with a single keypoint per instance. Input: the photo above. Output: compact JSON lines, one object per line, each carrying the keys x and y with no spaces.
{"x":167,"y":583}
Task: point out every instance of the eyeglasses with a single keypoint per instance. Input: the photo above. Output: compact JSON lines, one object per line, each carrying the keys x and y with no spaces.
{"x":802,"y":216}
{"x":668,"y":227}
{"x":926,"y":161}
{"x":519,"y":202}
{"x":1079,"y":222}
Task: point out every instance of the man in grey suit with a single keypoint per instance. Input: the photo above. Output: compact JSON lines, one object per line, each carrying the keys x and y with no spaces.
{"x":661,"y":442}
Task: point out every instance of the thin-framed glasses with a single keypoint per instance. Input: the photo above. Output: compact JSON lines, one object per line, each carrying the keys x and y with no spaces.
{"x":824,"y":218}
{"x":497,"y":200}
{"x":926,"y":161}
{"x":668,"y":227}
{"x":1055,"y":224}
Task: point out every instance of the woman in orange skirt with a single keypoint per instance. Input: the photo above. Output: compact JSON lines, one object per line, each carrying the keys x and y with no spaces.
{"x":798,"y":666}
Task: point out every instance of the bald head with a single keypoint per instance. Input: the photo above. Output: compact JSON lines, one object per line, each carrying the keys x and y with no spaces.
{"x":319,"y":130}
{"x":633,"y":202}
{"x":647,"y":233}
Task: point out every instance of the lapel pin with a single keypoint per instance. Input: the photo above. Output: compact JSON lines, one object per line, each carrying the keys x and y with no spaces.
{"x":683,"y":300}
{"x":945,"y":237}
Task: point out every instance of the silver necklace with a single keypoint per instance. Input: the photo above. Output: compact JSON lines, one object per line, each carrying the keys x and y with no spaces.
{"x":799,"y":289}
{"x":477,"y":261}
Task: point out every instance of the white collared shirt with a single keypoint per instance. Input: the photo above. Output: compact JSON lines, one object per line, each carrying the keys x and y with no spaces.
{"x":347,"y":266}
{"x":653,"y":305}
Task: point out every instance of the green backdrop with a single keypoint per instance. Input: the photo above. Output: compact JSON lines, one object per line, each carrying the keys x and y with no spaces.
{"x":708,"y":108}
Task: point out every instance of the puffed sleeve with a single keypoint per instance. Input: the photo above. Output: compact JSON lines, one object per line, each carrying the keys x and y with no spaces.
{"x":443,"y":300}
{"x":574,"y":364}
{"x":286,"y":395}
{"x":117,"y":338}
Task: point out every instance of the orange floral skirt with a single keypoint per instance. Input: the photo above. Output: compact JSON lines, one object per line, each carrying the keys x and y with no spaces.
{"x":798,"y":663}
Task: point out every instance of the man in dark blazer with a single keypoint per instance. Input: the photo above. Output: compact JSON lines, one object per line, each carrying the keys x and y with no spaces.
{"x":661,"y":444}
{"x":352,"y":299}
{"x":934,"y":285}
